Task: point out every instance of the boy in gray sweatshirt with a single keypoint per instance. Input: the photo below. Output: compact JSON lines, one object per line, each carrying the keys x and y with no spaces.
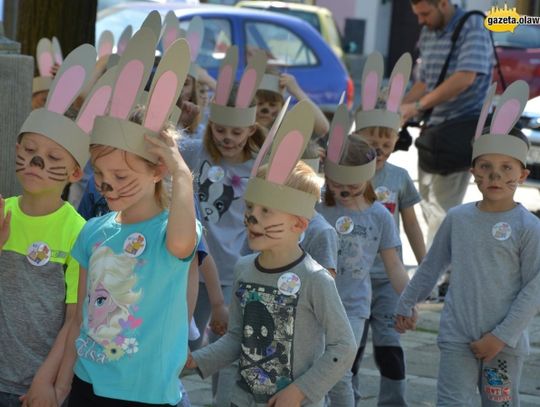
{"x":493,"y":249}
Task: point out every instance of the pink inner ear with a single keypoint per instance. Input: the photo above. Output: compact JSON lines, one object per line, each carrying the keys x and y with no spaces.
{"x":224,"y":82}
{"x":161,"y":100}
{"x":370,"y":90}
{"x":193,"y":40}
{"x":127,"y":88}
{"x":95,"y":107}
{"x":58,"y":58}
{"x":105,"y":48}
{"x":286,"y":157}
{"x":68,"y":86}
{"x":246,"y":88}
{"x":505,"y":116}
{"x":337,"y":138}
{"x":168,"y":38}
{"x":45,"y":64}
{"x":396,"y":91}
{"x":121,"y":47}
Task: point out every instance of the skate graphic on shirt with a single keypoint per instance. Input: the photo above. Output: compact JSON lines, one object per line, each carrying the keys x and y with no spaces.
{"x":387,"y":198}
{"x":217,"y":193}
{"x":111,"y":303}
{"x":351,"y":257}
{"x":267,"y":340}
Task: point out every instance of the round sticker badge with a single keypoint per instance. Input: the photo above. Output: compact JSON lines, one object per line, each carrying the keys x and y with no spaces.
{"x":383,"y":194}
{"x":501,"y":231}
{"x":38,"y":254}
{"x":216,"y":173}
{"x":289,"y":284}
{"x":134,"y":245}
{"x":344,"y":225}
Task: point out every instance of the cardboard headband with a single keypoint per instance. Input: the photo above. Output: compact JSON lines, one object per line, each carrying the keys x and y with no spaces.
{"x":508,"y":111}
{"x":337,"y":143}
{"x":71,"y":78}
{"x":241,"y":114}
{"x":372,"y":77}
{"x":287,"y":139}
{"x":270,"y":83}
{"x":133,"y":71}
{"x":48,"y":53}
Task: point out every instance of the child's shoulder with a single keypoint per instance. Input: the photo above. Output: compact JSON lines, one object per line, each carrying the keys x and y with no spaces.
{"x":314,"y":271}
{"x":319,"y":223}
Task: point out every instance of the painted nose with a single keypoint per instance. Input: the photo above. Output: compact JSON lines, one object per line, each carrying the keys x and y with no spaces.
{"x":37,"y":161}
{"x":252,"y":220}
{"x":106,"y":187}
{"x":494,"y":176}
{"x":226,"y":141}
{"x":379,"y":152}
{"x":345,"y":194}
{"x":265,"y":110}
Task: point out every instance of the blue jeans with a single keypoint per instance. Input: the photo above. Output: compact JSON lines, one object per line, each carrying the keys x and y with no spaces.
{"x":9,"y":400}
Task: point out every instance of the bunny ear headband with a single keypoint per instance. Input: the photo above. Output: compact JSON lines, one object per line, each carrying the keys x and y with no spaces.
{"x":50,"y":121}
{"x":194,"y":36}
{"x":291,"y":138}
{"x":241,"y":114}
{"x":45,"y":59}
{"x":337,"y":142}
{"x":270,"y":82}
{"x":371,"y":83}
{"x":133,"y":71}
{"x":508,"y":111}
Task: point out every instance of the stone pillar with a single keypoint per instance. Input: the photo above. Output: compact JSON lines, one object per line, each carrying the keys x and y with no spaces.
{"x":16,"y":73}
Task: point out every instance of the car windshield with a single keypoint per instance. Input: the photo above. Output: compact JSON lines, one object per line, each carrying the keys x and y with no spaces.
{"x":524,"y":36}
{"x":308,"y":17}
{"x":117,"y":21}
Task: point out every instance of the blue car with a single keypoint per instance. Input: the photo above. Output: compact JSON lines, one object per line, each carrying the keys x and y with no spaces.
{"x":291,"y":44}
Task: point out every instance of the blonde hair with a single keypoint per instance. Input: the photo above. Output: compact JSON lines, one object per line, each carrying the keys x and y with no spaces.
{"x":116,"y":274}
{"x":302,"y":178}
{"x":378,"y":131}
{"x":357,"y":152}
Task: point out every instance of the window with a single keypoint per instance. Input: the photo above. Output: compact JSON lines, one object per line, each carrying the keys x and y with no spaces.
{"x":284,"y":48}
{"x":216,"y":41}
{"x":524,"y":36}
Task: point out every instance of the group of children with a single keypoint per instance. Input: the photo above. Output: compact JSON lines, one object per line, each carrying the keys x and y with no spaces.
{"x":295,"y":268}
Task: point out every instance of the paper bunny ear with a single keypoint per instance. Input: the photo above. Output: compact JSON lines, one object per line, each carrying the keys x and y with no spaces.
{"x":288,"y":146}
{"x":105,"y":43}
{"x":133,"y":71}
{"x":97,"y":101}
{"x":226,"y":76}
{"x":124,"y":39}
{"x":153,"y":22}
{"x":508,"y":111}
{"x":171,"y":30}
{"x":398,"y":82}
{"x":44,"y":57}
{"x":50,"y":121}
{"x":251,"y":79}
{"x":57,"y":51}
{"x":485,"y":110}
{"x":371,"y":80}
{"x":509,"y":107}
{"x":338,"y":134}
{"x":194,"y":36}
{"x":167,"y":85}
{"x":269,"y":138}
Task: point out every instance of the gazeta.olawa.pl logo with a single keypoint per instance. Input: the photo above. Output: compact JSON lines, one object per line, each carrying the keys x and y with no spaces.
{"x":507,"y":19}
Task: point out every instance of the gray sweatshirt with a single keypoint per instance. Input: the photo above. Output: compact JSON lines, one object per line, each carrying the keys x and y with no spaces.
{"x":285,"y":326}
{"x":495,"y":280}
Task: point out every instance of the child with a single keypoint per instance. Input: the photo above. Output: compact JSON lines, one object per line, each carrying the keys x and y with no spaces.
{"x":492,"y":246}
{"x":38,"y":276}
{"x":270,"y":100}
{"x":293,"y":342}
{"x":130,"y":334}
{"x":365,"y":229}
{"x":395,"y":190}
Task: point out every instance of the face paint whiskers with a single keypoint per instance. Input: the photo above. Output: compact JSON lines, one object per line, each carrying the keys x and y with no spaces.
{"x":20,"y":163}
{"x":271,"y":231}
{"x":58,"y":173}
{"x":131,"y":188}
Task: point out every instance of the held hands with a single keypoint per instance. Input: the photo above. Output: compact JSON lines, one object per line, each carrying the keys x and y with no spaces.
{"x":404,"y":323}
{"x":290,"y":396}
{"x":165,"y":148}
{"x":5,"y":223}
{"x":190,"y":363}
{"x":40,"y":395}
{"x":219,"y":319}
{"x":487,"y":347}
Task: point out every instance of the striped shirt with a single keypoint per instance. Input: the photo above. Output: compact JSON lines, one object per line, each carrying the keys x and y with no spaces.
{"x":473,"y":53}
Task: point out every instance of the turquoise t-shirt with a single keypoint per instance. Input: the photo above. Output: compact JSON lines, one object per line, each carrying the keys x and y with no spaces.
{"x":134,"y":335}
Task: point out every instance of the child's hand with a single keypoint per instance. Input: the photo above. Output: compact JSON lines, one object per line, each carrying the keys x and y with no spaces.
{"x":404,"y":323}
{"x":219,"y":319}
{"x":5,"y":222}
{"x":165,"y":148}
{"x":288,"y":82}
{"x":190,"y":363}
{"x":290,"y":396}
{"x":189,"y":113}
{"x":39,"y":395}
{"x":487,"y":347}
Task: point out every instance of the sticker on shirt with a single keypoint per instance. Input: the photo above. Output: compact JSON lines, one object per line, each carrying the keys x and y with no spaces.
{"x":216,"y":173}
{"x":344,"y":225}
{"x":134,"y":245}
{"x":501,"y":231}
{"x":498,"y":386}
{"x":289,"y":284}
{"x":386,"y":197}
{"x":38,"y":254}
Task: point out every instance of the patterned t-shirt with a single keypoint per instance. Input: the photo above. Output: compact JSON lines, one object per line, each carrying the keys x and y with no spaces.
{"x":133,"y":339}
{"x":38,"y":277}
